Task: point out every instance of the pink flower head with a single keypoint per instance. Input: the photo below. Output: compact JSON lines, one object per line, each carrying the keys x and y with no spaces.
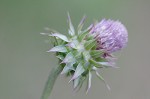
{"x":110,"y":35}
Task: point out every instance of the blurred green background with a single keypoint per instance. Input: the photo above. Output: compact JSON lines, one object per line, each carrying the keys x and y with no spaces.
{"x":25,"y":65}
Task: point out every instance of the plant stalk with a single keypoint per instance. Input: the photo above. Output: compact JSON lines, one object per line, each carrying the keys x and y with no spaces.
{"x":51,"y":81}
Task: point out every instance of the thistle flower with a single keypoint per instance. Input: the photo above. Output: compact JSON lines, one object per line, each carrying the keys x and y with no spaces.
{"x":110,"y":35}
{"x":82,"y":52}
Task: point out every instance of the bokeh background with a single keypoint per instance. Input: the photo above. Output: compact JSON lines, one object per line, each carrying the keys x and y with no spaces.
{"x":25,"y":65}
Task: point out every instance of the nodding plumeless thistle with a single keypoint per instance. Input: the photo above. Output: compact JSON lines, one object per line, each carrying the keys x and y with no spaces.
{"x":84,"y":52}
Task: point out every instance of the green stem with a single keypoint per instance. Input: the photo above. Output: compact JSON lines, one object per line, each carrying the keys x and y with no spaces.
{"x":51,"y":81}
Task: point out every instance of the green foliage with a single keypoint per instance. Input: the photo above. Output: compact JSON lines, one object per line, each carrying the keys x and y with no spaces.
{"x":59,"y":48}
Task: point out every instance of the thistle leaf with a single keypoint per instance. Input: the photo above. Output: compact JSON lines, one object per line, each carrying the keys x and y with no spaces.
{"x":96,"y":53}
{"x":96,"y":64}
{"x":100,"y":59}
{"x":71,"y":30}
{"x":50,"y":30}
{"x":60,"y":48}
{"x":90,"y":44}
{"x":47,"y":34}
{"x":81,"y":24}
{"x":69,"y":58}
{"x":82,"y":36}
{"x":108,"y":64}
{"x":89,"y":82}
{"x":86,"y":55}
{"x":61,"y":57}
{"x":82,"y":79}
{"x":102,"y":64}
{"x":55,"y":42}
{"x":61,"y":36}
{"x":101,"y":78}
{"x":79,"y":70}
{"x":67,"y":68}
{"x":76,"y":82}
{"x":73,"y":44}
{"x":89,"y":28}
